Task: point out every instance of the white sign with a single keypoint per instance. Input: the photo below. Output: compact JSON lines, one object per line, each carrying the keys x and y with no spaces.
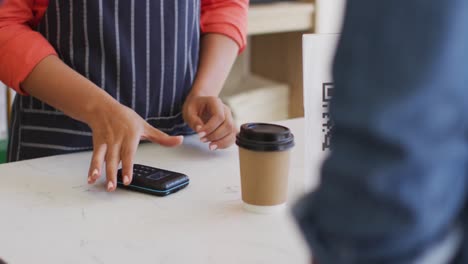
{"x":318,"y":54}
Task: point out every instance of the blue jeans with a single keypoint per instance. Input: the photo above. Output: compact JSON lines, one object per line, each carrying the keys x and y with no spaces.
{"x":394,"y":186}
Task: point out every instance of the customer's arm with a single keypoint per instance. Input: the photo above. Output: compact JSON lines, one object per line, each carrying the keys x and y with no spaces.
{"x":394,"y":184}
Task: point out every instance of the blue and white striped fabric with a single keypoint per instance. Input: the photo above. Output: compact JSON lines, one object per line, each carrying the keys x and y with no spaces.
{"x":143,"y":53}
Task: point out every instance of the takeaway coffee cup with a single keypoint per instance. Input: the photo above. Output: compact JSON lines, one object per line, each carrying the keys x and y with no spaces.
{"x":264,"y":152}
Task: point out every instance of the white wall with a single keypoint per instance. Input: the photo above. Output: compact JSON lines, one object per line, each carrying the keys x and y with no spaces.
{"x":3,"y":114}
{"x":329,"y":16}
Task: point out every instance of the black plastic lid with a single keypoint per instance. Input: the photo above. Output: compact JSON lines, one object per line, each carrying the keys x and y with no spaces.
{"x":265,"y":137}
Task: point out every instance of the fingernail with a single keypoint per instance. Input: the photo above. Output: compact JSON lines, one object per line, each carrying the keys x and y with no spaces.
{"x":202,"y":134}
{"x":89,"y":179}
{"x":95,"y":173}
{"x":126,"y":180}
{"x":213,"y":147}
{"x":204,"y":140}
{"x":198,"y":128}
{"x":110,"y":186}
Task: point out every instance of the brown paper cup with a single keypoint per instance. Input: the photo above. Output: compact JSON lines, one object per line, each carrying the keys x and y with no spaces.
{"x":264,"y":178}
{"x":264,"y":166}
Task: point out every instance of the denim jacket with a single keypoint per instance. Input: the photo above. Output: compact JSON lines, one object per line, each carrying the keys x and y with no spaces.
{"x":393,"y":189}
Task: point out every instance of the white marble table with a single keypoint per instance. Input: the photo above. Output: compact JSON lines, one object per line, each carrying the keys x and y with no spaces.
{"x":49,"y":214}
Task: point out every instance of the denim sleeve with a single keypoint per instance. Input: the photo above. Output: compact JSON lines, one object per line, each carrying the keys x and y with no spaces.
{"x":394,"y":183}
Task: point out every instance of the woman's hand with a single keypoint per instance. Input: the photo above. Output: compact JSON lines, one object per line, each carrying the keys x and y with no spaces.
{"x":117,"y":131}
{"x":211,"y":119}
{"x":203,"y":111}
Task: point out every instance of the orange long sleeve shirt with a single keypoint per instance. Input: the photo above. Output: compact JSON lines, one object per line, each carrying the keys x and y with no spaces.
{"x":22,"y":48}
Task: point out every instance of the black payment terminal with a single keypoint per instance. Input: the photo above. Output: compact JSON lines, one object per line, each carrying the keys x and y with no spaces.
{"x":154,"y":181}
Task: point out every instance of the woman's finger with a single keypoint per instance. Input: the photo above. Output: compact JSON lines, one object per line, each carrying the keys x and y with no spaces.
{"x":156,"y":136}
{"x":222,"y":131}
{"x":216,"y":118}
{"x":127,"y":154}
{"x":192,"y":118}
{"x":223,"y":143}
{"x":97,"y":162}
{"x":112,"y":164}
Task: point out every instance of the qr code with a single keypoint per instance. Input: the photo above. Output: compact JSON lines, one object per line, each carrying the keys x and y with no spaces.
{"x":327,"y":125}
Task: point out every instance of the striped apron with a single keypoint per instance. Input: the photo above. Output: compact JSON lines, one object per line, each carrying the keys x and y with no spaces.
{"x":143,"y":53}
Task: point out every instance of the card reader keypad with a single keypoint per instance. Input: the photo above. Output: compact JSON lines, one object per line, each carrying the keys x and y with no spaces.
{"x":142,"y":171}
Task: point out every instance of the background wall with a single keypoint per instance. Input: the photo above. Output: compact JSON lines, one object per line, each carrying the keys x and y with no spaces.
{"x":3,"y":114}
{"x":329,"y":16}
